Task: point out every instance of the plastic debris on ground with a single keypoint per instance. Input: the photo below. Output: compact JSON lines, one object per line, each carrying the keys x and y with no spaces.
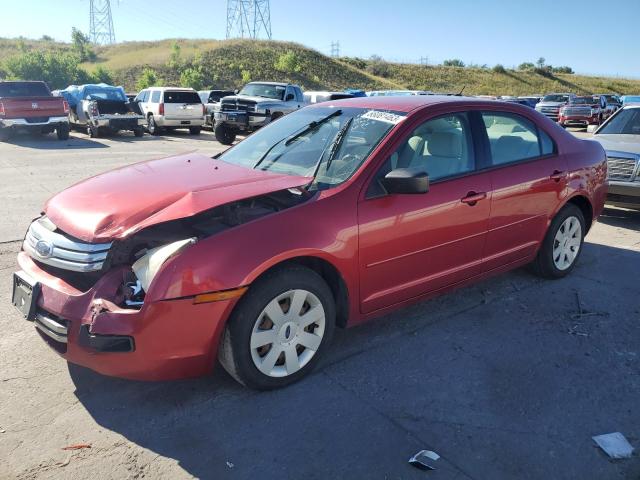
{"x":424,"y":460}
{"x":614,"y":444}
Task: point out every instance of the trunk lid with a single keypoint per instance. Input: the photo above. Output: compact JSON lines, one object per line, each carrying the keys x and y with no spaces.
{"x":121,"y":202}
{"x":35,"y":107}
{"x":182,"y":105}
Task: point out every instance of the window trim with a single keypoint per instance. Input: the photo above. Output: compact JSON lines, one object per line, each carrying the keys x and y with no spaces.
{"x":489,"y":166}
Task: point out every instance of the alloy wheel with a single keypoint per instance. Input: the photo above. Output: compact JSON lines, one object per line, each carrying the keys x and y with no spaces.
{"x":287,"y":333}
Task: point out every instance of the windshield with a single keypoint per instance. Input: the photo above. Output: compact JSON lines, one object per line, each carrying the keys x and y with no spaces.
{"x":584,"y":101}
{"x":612,"y":99}
{"x":631,"y":99}
{"x":327,"y":143}
{"x":97,"y":93}
{"x":555,"y":98}
{"x":626,"y":121}
{"x":264,"y":90}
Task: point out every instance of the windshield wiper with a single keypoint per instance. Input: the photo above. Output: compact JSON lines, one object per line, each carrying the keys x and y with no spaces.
{"x":335,"y":146}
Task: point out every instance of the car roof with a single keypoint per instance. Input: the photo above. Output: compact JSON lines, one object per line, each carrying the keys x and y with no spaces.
{"x":281,"y":84}
{"x":408,"y":103}
{"x":177,"y":89}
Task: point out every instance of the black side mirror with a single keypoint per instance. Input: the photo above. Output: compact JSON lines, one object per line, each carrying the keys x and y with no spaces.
{"x":236,"y":91}
{"x":406,"y":180}
{"x":290,"y":97}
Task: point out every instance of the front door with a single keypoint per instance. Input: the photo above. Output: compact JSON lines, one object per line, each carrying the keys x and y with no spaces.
{"x":414,"y":244}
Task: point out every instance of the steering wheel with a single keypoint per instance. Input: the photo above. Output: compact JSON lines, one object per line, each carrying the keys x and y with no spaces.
{"x":344,"y":166}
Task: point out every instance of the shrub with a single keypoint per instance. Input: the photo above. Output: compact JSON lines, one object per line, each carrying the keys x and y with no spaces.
{"x":148,"y":78}
{"x":499,"y":69}
{"x":377,"y":66}
{"x":192,"y":77}
{"x":453,"y":62}
{"x":246,"y":76}
{"x":288,"y":63}
{"x":563,"y":69}
{"x":526,"y":66}
{"x":102,"y":75}
{"x":80,"y":43}
{"x":59,"y":70}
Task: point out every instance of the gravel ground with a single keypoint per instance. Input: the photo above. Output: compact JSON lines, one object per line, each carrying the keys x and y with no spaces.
{"x":507,"y":379}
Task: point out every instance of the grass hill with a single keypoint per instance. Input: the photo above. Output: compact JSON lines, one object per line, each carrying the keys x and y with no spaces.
{"x":231,"y":63}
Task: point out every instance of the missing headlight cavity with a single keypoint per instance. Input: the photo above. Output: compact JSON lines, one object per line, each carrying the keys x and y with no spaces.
{"x":202,"y":225}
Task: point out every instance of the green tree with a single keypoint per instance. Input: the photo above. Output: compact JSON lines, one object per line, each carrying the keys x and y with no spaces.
{"x":499,"y":69}
{"x":175,"y":62}
{"x":453,"y":62}
{"x":526,"y":66}
{"x":563,"y":69}
{"x":378,"y":66}
{"x":541,"y":61}
{"x":246,"y":76}
{"x":148,"y":78}
{"x":59,"y":70}
{"x":192,"y":77}
{"x":102,"y":75}
{"x":288,"y":62}
{"x":46,"y":38}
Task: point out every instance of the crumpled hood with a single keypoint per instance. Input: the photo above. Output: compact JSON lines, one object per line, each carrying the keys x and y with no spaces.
{"x":619,"y":142}
{"x":120,"y":202}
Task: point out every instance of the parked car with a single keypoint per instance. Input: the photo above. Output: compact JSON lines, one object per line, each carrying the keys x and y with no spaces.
{"x":630,"y":99}
{"x":620,"y":137}
{"x":532,"y":101}
{"x":211,"y":100}
{"x":30,"y":106}
{"x":397,"y":93}
{"x":332,"y":215}
{"x":551,"y":104}
{"x":584,"y":111}
{"x":356,"y":92}
{"x":170,"y":108}
{"x":102,"y":109}
{"x":613,"y":101}
{"x":318,"y":97}
{"x":519,"y":101}
{"x":257,"y":104}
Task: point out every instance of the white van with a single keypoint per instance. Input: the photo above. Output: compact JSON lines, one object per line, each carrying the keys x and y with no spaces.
{"x":170,"y":108}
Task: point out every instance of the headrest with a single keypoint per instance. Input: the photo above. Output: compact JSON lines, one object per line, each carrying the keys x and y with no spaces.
{"x":445,"y":144}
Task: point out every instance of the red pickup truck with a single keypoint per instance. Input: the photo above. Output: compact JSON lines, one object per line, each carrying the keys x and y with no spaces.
{"x":30,"y":106}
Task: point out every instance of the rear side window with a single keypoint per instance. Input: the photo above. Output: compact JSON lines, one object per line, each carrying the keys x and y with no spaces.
{"x":547,"y":145}
{"x":513,"y":138}
{"x":155,"y":97}
{"x":181,"y":97}
{"x":23,"y":89}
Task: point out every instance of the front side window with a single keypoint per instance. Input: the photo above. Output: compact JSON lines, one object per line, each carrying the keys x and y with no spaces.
{"x":324,"y":143}
{"x":441,"y":147}
{"x":512,"y":138}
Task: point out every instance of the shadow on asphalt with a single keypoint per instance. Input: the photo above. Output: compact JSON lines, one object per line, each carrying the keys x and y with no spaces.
{"x":508,"y":378}
{"x":621,"y":218}
{"x":50,"y":142}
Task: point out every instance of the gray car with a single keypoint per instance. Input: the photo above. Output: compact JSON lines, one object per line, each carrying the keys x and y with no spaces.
{"x":620,"y":137}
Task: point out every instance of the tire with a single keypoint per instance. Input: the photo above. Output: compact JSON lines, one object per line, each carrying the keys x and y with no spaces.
{"x":5,"y":134}
{"x":224,"y":134}
{"x":195,"y":130}
{"x":152,"y":126}
{"x":555,"y":260}
{"x":138,"y":131}
{"x":93,"y":132}
{"x":62,"y":131}
{"x":282,"y":361}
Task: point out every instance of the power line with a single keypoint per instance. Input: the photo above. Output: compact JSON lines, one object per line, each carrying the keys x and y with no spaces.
{"x":101,"y":30}
{"x":424,"y":60}
{"x":248,"y":18}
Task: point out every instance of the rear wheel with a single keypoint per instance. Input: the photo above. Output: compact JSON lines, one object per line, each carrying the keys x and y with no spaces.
{"x":224,"y":134}
{"x":93,"y":131}
{"x":279,"y":330}
{"x":195,"y":130}
{"x":152,"y":126}
{"x":138,"y":131}
{"x":562,"y":244}
{"x":62,"y":131}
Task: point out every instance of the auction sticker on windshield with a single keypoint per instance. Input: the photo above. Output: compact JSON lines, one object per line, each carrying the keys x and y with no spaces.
{"x":387,"y":117}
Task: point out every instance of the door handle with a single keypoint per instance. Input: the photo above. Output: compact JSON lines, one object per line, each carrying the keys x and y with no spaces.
{"x":558,"y":175}
{"x":473,"y":197}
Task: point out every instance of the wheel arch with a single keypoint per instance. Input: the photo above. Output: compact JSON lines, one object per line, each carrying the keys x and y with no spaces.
{"x":329,"y":273}
{"x":585,"y":206}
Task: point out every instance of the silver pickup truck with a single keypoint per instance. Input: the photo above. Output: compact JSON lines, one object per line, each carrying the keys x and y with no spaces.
{"x":257,"y":104}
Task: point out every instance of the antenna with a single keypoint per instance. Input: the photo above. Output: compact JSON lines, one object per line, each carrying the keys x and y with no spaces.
{"x":101,"y":22}
{"x":335,"y":49}
{"x":248,"y":18}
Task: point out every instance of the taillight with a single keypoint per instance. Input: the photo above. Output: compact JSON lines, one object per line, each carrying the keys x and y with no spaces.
{"x":161,"y":109}
{"x":65,"y":105}
{"x":94,"y":109}
{"x":2,"y":109}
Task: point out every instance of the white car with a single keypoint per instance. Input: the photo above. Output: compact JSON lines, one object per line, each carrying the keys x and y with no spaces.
{"x":170,"y":108}
{"x":318,"y":97}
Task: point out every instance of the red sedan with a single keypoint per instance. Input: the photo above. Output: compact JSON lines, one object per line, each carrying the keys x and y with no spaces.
{"x":328,"y":217}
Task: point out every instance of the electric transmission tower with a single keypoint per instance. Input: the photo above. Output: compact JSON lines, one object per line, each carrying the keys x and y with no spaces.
{"x":101,"y":22}
{"x":248,"y":18}
{"x":335,"y":49}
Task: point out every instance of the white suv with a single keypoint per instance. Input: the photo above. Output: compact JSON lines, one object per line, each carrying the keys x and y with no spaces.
{"x":170,"y":107}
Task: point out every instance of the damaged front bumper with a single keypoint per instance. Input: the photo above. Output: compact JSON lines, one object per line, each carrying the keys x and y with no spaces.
{"x":163,"y":340}
{"x":118,"y":122}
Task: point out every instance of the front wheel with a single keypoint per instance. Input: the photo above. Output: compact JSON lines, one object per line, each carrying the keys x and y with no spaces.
{"x":562,"y":244}
{"x":224,"y":134}
{"x":5,"y":134}
{"x":279,"y":329}
{"x":138,"y":131}
{"x":93,"y":131}
{"x":195,"y":130}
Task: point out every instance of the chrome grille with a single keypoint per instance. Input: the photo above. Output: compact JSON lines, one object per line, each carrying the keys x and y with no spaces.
{"x":578,"y":111}
{"x":621,"y":168}
{"x":238,"y":105}
{"x":47,"y":246}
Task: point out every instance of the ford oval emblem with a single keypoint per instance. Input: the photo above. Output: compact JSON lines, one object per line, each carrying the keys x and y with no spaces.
{"x":44,"y":249}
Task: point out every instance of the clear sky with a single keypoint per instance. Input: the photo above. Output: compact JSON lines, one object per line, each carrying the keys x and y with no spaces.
{"x":592,"y":36}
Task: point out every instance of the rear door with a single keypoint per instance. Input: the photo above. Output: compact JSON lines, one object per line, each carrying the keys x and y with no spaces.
{"x":182,"y":105}
{"x":529,"y":180}
{"x":414,"y":244}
